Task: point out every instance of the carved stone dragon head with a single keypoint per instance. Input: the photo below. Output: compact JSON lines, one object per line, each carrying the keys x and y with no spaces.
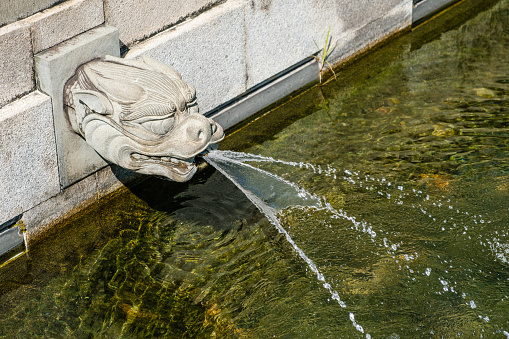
{"x":140,"y":115}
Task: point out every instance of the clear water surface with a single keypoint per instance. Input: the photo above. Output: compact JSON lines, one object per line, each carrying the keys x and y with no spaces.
{"x":398,"y":226}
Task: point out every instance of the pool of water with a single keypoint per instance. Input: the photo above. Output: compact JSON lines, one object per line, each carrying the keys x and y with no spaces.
{"x":407,"y":151}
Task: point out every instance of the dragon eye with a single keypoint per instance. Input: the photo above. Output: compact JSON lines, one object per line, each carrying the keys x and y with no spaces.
{"x":161,"y":127}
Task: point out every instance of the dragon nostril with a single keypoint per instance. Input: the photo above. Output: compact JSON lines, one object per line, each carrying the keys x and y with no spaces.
{"x":195,"y":133}
{"x":200,"y":135}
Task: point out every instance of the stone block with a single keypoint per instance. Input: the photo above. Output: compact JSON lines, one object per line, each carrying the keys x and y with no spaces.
{"x":263,"y":96}
{"x":54,"y":66}
{"x":139,"y":19}
{"x":354,"y":40}
{"x":12,"y":10}
{"x":279,"y":34}
{"x":16,"y":62}
{"x":63,"y":205}
{"x":28,"y":159}
{"x":359,"y":13}
{"x":208,"y":51}
{"x":64,"y":21}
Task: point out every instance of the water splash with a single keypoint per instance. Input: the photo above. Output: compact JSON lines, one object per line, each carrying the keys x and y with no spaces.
{"x":398,"y":196}
{"x":271,"y":194}
{"x":279,"y":193}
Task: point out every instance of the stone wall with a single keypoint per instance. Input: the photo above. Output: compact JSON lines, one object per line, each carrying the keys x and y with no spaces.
{"x":222,"y":47}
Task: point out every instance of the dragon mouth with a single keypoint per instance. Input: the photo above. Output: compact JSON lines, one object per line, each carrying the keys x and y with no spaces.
{"x":181,"y":166}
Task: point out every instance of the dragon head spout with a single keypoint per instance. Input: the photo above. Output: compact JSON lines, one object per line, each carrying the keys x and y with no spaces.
{"x":140,"y":115}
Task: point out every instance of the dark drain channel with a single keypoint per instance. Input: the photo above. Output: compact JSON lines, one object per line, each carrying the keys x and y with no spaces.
{"x":424,"y":8}
{"x":12,"y":240}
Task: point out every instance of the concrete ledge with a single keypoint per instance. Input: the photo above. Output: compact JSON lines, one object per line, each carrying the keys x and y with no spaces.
{"x":68,"y":202}
{"x":208,"y":51}
{"x":75,"y":198}
{"x":64,"y":21}
{"x":28,"y":160}
{"x":139,"y":19}
{"x":16,"y":63}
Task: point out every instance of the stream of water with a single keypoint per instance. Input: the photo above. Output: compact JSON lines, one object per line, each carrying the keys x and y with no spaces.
{"x":271,"y":194}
